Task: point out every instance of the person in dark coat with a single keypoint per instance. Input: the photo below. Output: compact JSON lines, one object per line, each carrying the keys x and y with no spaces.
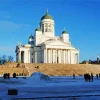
{"x":73,"y":76}
{"x":97,"y":76}
{"x":92,"y":77}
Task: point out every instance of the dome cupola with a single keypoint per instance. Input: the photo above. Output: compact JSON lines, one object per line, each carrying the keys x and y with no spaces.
{"x":47,"y":16}
{"x":31,"y":40}
{"x":31,"y":37}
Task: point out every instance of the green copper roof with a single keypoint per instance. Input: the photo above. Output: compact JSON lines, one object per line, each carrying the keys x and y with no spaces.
{"x":31,"y":37}
{"x":47,"y":16}
{"x":64,"y":32}
{"x":38,"y":29}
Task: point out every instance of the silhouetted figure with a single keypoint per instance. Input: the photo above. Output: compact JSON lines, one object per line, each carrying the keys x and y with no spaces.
{"x":73,"y":76}
{"x":87,"y":77}
{"x":8,"y":75}
{"x":5,"y":76}
{"x":92,"y":77}
{"x":14,"y":75}
{"x":97,"y":76}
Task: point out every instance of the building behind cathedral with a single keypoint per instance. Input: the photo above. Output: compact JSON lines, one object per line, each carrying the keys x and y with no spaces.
{"x":45,"y":47}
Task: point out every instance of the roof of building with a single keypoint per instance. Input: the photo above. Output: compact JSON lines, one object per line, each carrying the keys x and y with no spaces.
{"x":31,"y":37}
{"x":64,"y":32}
{"x":47,"y":16}
{"x":37,"y":29}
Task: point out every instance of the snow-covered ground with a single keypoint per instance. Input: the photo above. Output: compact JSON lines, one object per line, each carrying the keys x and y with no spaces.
{"x":42,"y":87}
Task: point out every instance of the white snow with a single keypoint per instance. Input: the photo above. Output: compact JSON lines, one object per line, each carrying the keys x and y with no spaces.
{"x":38,"y":76}
{"x":43,"y":87}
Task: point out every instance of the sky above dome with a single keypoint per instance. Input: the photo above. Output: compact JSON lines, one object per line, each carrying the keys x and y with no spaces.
{"x":81,"y":18}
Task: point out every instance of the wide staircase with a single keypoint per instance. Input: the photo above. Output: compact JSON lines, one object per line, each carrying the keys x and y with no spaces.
{"x":63,"y":69}
{"x":50,"y":69}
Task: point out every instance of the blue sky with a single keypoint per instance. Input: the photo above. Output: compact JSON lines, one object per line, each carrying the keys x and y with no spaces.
{"x":81,"y":18}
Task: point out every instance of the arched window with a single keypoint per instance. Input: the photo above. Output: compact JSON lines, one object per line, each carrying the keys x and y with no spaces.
{"x":42,"y":27}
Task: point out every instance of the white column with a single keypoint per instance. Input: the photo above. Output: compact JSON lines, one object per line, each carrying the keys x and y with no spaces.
{"x":68,"y":57}
{"x":45,"y":56}
{"x":58,"y":56}
{"x":19,"y":58}
{"x":78,"y":58}
{"x":74,"y":58}
{"x":29,"y":61}
{"x":35,"y":57}
{"x":50,"y":56}
{"x":61,"y":55}
{"x":65,"y":56}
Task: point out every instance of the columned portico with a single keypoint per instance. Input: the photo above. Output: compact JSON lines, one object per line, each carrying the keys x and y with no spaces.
{"x":64,"y":56}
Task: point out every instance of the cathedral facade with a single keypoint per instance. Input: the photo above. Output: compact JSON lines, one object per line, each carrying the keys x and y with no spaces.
{"x":45,"y":47}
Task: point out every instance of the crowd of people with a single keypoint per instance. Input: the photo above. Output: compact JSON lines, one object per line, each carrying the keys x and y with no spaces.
{"x":89,"y":77}
{"x":7,"y":75}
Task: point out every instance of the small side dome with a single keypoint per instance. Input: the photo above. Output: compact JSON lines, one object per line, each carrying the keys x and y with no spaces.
{"x":31,"y":40}
{"x":47,"y":16}
{"x":31,"y":37}
{"x":37,"y":29}
{"x":64,"y":32}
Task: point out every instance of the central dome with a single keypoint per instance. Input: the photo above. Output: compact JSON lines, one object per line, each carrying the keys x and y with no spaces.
{"x":47,"y":16}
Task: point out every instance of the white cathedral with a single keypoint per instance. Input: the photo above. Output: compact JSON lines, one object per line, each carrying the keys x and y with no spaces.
{"x":45,"y":47}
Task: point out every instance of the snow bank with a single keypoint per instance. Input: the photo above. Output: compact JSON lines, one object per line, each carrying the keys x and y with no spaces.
{"x":38,"y":76}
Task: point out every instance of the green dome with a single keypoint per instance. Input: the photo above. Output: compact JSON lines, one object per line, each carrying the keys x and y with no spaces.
{"x":47,"y":16}
{"x":31,"y":37}
{"x":38,"y":29}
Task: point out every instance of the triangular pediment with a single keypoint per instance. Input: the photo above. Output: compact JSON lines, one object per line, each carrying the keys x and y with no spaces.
{"x":56,"y":43}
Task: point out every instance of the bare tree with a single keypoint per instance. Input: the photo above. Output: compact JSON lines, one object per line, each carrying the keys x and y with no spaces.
{"x":4,"y":57}
{"x":10,"y":59}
